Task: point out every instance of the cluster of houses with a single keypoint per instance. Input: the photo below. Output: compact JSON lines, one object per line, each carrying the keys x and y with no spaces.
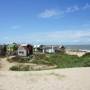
{"x":28,"y":49}
{"x":49,"y":48}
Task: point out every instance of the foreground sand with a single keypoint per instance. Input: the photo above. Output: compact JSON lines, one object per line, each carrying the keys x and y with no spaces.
{"x":60,"y":79}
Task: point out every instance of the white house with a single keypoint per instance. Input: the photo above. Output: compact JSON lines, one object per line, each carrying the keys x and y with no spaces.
{"x":22,"y":51}
{"x":52,"y":48}
{"x":48,"y":49}
{"x":25,"y":50}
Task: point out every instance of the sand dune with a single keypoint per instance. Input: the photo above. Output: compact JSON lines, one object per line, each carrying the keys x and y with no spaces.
{"x":60,"y":79}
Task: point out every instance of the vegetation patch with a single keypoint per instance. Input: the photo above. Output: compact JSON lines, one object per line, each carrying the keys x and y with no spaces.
{"x":58,"y":60}
{"x":20,"y":59}
{"x":64,"y":60}
{"x":20,"y":68}
{"x":33,"y":67}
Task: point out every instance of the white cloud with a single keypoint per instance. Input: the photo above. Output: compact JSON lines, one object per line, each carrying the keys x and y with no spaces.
{"x":49,"y":13}
{"x":64,"y":36}
{"x":77,"y":8}
{"x":87,"y":6}
{"x":52,"y":13}
{"x":72,"y":9}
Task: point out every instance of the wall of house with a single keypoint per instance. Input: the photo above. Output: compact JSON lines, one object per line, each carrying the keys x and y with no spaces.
{"x":2,"y":50}
{"x":22,"y":52}
{"x":50,"y":51}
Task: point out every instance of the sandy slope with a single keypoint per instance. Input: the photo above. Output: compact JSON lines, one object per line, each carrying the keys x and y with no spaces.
{"x":61,"y":79}
{"x":5,"y":65}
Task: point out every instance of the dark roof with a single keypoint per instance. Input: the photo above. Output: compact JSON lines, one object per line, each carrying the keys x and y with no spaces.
{"x":2,"y":46}
{"x":27,"y":47}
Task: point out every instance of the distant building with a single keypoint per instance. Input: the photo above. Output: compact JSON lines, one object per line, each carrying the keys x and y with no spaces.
{"x":60,"y":49}
{"x":52,"y":48}
{"x":25,"y":50}
{"x":48,"y":49}
{"x":12,"y":49}
{"x":36,"y":48}
{"x":2,"y":50}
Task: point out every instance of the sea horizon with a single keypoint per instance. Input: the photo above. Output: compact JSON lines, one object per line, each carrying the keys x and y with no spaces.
{"x":79,"y":47}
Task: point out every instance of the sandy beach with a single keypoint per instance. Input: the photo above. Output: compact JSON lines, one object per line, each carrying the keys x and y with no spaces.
{"x":59,"y":79}
{"x":78,"y":53}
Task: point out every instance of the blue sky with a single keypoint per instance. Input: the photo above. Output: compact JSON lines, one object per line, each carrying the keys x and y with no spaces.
{"x":45,"y":21}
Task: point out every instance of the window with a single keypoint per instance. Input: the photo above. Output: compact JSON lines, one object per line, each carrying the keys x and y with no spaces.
{"x":21,"y":52}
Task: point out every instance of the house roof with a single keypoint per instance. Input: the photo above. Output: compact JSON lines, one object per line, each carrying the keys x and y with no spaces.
{"x":50,"y":46}
{"x":25,"y":46}
{"x":36,"y":46}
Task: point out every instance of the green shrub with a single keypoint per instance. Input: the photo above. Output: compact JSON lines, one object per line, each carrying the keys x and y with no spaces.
{"x":14,"y":68}
{"x":64,"y":60}
{"x":59,"y":60}
{"x":39,"y":56}
{"x":20,"y":68}
{"x":86,"y":55}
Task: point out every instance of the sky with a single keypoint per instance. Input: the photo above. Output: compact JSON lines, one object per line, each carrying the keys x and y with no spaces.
{"x":45,"y":21}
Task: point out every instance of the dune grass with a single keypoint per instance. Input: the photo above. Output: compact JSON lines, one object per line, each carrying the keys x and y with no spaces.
{"x":60,"y":60}
{"x":64,"y":60}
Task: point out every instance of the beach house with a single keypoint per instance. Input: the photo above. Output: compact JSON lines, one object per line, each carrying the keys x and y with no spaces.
{"x":12,"y":49}
{"x":2,"y":50}
{"x":52,"y":48}
{"x":25,"y":50}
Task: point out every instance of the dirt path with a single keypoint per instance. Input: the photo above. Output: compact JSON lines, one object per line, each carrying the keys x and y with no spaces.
{"x":4,"y":64}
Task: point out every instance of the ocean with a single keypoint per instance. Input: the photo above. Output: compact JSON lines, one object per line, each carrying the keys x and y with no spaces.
{"x":82,"y":47}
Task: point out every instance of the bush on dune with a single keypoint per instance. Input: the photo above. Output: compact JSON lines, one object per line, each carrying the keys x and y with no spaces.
{"x":19,"y":59}
{"x":60,"y":60}
{"x":20,"y":68}
{"x":64,"y":60}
